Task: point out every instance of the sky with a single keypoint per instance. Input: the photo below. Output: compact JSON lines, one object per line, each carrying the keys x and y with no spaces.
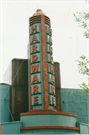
{"x":68,"y":40}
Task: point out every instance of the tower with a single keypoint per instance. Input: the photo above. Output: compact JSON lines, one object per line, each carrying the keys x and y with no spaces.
{"x":42,"y":116}
{"x":42,"y":81}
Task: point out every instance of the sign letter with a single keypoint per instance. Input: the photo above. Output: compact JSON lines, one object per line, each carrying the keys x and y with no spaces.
{"x":52,"y":79}
{"x":53,"y":100}
{"x":35,"y":88}
{"x":50,"y":49}
{"x":50,"y":31}
{"x":35,"y":79}
{"x":34,"y":48}
{"x":51,"y":68}
{"x":35,"y":100}
{"x":34,"y":57}
{"x":53,"y":89}
{"x":35,"y":67}
{"x":50,"y":40}
{"x":51,"y":58}
{"x":34,"y":38}
{"x":34,"y":28}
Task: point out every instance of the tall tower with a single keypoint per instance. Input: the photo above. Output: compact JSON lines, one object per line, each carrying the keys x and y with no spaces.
{"x":42,"y":81}
{"x":42,"y":116}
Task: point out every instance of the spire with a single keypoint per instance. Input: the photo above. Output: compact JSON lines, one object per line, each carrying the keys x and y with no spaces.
{"x":38,"y":12}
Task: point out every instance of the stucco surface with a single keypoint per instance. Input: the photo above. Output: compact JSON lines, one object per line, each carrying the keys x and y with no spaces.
{"x":75,"y":102}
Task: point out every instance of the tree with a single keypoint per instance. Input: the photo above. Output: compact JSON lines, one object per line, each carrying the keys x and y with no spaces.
{"x":83,"y":64}
{"x":82,"y":18}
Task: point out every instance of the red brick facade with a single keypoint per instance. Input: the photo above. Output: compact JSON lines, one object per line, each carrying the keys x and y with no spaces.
{"x":44,"y":63}
{"x":30,"y":66}
{"x":0,"y":128}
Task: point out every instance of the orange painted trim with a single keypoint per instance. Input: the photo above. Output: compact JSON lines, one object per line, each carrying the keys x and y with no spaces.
{"x":54,"y":113}
{"x":50,"y":127}
{"x":36,"y":110}
{"x":44,"y":63}
{"x":30,"y":66}
{"x":0,"y":128}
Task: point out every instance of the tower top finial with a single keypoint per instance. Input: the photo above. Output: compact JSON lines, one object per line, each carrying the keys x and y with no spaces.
{"x":38,"y":12}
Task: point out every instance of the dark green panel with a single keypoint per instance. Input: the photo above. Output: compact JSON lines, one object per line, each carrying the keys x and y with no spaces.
{"x":19,"y":88}
{"x":58,"y":86}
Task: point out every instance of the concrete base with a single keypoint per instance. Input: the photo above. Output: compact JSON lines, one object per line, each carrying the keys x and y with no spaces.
{"x":50,"y":131}
{"x":45,"y":123}
{"x":48,"y":123}
{"x":11,"y":127}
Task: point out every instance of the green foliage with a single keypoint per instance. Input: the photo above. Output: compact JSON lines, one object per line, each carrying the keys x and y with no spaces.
{"x":85,"y":87}
{"x":82,"y":18}
{"x":86,"y":34}
{"x":83,"y":65}
{"x":87,"y":1}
